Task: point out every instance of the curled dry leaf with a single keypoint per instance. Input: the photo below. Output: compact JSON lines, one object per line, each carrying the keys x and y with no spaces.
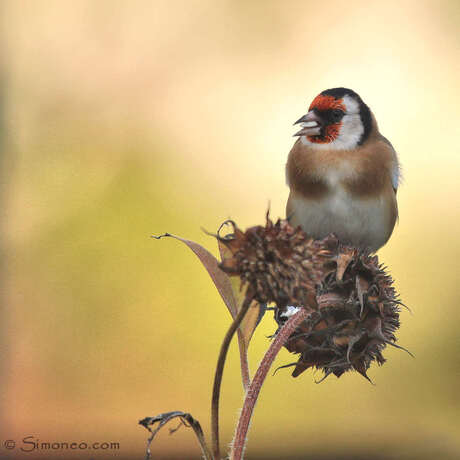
{"x":185,"y":419}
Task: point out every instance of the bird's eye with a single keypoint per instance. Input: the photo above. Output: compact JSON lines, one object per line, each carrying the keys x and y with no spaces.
{"x":337,"y":114}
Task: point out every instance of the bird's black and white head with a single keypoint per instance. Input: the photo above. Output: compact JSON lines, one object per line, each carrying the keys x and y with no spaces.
{"x":336,"y":119}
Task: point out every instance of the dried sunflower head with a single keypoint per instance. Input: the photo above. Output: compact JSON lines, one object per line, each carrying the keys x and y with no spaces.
{"x":352,"y":304}
{"x":280,"y":263}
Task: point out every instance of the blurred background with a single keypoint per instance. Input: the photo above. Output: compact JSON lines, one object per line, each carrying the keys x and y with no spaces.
{"x":124,"y":119}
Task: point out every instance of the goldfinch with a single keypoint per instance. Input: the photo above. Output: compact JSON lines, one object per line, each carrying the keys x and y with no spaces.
{"x":342,"y":173}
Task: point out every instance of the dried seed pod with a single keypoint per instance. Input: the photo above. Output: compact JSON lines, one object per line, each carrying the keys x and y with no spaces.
{"x":280,"y":263}
{"x":352,"y":303}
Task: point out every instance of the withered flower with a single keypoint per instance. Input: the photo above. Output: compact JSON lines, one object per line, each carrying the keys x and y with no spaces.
{"x":335,"y":307}
{"x":352,"y":304}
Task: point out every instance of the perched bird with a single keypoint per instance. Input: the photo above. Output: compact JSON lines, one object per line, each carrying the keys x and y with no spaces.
{"x":342,"y":173}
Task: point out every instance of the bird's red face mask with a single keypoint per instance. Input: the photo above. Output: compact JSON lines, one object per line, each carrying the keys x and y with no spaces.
{"x":323,"y":121}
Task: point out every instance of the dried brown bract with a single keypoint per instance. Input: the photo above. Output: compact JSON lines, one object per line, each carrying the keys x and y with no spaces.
{"x":352,"y":304}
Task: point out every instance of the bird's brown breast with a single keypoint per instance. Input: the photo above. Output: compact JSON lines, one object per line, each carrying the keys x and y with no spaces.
{"x":363,"y":172}
{"x":344,"y":192}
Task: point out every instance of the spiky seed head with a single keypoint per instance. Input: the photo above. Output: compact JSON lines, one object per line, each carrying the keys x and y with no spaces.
{"x":280,"y":263}
{"x":352,"y":304}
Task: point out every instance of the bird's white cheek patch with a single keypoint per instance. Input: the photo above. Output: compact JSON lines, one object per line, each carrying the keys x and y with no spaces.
{"x":352,"y":127}
{"x":351,"y":106}
{"x":350,"y":133}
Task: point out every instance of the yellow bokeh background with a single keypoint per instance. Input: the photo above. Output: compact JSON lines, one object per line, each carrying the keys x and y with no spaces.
{"x":121,"y":119}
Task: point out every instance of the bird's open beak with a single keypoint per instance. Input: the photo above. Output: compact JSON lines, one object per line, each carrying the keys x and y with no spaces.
{"x":311,"y":124}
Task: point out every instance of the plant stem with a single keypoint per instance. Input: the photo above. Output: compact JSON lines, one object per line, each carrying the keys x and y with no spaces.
{"x":254,"y":389}
{"x":218,"y":377}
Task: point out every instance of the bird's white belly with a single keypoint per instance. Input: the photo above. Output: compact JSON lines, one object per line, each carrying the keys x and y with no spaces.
{"x":362,"y":223}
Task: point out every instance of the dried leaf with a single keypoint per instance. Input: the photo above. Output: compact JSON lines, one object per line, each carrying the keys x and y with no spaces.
{"x":252,"y":320}
{"x":185,"y":419}
{"x":220,"y":279}
{"x":229,"y":290}
{"x":235,"y":283}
